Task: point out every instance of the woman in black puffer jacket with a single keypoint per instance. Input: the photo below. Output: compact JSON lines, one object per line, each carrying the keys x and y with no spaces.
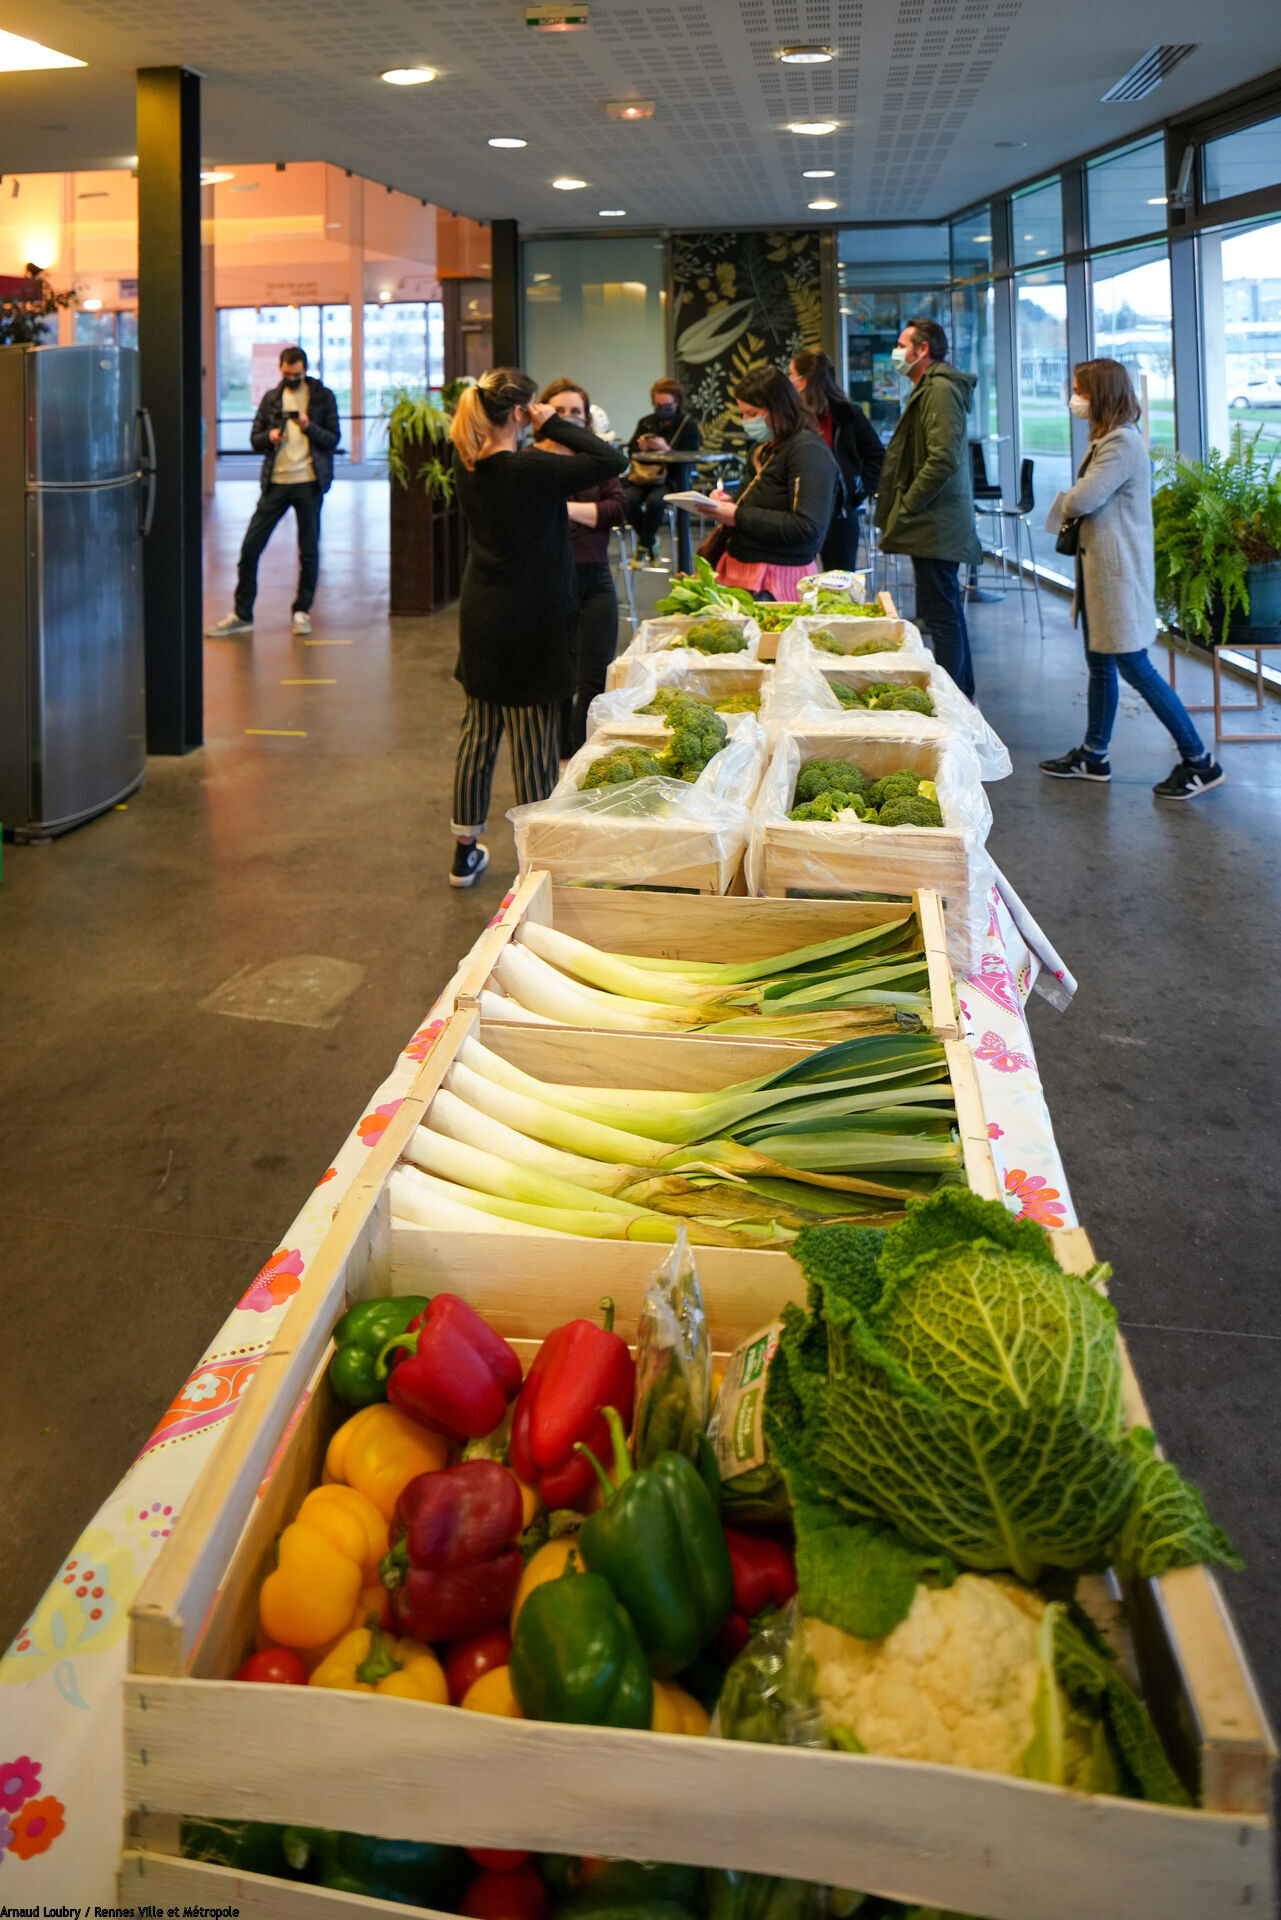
{"x":781,"y":516}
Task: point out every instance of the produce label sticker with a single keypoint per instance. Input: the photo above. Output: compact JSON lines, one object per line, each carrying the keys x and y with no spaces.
{"x":740,"y":1408}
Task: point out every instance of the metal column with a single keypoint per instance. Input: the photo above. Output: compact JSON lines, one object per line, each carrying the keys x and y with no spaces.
{"x":505,"y":267}
{"x":169,"y":317}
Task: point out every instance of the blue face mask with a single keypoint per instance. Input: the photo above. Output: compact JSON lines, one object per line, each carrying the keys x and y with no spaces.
{"x":757,"y":427}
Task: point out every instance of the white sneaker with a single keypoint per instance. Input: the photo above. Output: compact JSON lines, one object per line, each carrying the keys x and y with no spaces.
{"x":232,"y":624}
{"x":301,"y":623}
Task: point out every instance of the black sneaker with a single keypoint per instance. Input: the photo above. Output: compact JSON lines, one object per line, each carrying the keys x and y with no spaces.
{"x":1077,"y":765}
{"x":1189,"y":779}
{"x":470,"y":861}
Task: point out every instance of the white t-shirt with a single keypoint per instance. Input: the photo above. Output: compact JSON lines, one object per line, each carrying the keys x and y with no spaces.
{"x":294,"y":464}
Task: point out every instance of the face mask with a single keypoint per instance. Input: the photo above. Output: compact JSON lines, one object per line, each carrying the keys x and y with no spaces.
{"x":293,"y":379}
{"x":1079,"y":406}
{"x":757,"y":427}
{"x":899,"y":360}
{"x":665,"y":409}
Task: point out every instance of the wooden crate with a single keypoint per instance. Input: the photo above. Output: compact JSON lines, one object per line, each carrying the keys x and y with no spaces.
{"x":197,"y":1743}
{"x":825,"y":857}
{"x":662,"y":633}
{"x":853,"y":629}
{"x":712,"y":683}
{"x":684,"y":927}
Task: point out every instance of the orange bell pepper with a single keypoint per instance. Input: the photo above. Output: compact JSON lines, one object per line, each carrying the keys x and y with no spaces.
{"x":331,"y":1511}
{"x":379,"y":1451}
{"x":312,"y":1592}
{"x":368,"y":1661}
{"x":676,"y":1711}
{"x":492,"y":1693}
{"x":547,"y":1564}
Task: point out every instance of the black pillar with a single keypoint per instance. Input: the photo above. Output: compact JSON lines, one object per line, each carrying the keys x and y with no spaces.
{"x":169,"y":349}
{"x":505,"y":268}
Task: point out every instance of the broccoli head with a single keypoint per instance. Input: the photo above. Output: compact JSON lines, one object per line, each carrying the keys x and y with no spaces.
{"x":906,"y":700}
{"x":715,"y":636}
{"x":830,"y":805}
{"x":739,"y":703}
{"x":901,"y":785}
{"x":848,"y":696}
{"x":697,"y":733}
{"x":873,"y":646}
{"x":918,"y":810}
{"x":826,"y":642}
{"x":818,"y":775}
{"x":618,"y":765}
{"x":662,"y":700}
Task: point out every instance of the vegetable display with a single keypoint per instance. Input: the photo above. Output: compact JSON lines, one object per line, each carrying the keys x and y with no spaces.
{"x":873,"y":981}
{"x":883,"y":697}
{"x":838,"y":791}
{"x":715,"y":635}
{"x":666,"y":697}
{"x":701,"y":591}
{"x":697,"y":731}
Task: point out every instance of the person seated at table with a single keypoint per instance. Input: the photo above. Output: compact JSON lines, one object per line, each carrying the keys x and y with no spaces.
{"x":854,"y":441}
{"x":667,"y":429}
{"x":777,"y":524}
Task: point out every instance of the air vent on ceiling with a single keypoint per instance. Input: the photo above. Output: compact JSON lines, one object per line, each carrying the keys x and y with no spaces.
{"x":1148,"y":73}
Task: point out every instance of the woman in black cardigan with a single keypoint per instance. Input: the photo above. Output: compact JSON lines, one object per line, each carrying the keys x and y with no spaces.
{"x":516,"y":610}
{"x":779,"y":520}
{"x":853,"y":440}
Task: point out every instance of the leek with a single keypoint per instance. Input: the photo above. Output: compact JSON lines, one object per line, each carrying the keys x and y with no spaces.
{"x":420,"y":1201}
{"x":606,"y":970}
{"x":729,"y":973}
{"x":502,"y":1008}
{"x":507,"y":1179}
{"x":540,"y":986}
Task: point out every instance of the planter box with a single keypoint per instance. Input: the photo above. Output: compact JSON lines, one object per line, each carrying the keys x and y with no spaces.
{"x":198,"y":1743}
{"x":428,"y":546}
{"x":702,"y":928}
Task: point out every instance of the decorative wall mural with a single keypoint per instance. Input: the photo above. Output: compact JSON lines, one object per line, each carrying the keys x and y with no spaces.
{"x":740,"y":300}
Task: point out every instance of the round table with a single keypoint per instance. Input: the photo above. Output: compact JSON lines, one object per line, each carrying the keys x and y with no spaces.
{"x":687,"y":459}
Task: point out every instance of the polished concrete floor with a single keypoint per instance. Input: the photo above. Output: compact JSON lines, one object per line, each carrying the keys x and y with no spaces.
{"x":155,"y":1151}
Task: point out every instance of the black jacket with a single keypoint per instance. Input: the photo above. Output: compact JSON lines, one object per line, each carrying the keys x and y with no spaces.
{"x":859,"y":453}
{"x":324,"y":430}
{"x":785,"y":517}
{"x":516,"y":609}
{"x":683,"y":435}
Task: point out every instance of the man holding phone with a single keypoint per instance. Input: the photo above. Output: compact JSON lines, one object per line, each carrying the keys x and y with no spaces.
{"x":296,"y":429}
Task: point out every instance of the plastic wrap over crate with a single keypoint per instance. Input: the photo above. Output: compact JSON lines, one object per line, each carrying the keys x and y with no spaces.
{"x":663,"y":635}
{"x":821,"y":858}
{"x":623,"y":706}
{"x":835,"y":580}
{"x":800,"y":696}
{"x":898,"y":636}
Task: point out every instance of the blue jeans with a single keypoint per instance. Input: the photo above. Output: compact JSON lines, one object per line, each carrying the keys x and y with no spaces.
{"x":1138,"y":671}
{"x":940,"y":609}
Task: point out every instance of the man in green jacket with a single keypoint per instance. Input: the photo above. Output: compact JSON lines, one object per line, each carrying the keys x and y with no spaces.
{"x":925,"y":503}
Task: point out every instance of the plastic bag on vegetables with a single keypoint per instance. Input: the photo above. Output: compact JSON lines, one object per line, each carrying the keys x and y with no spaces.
{"x":856,"y":632}
{"x":752,"y":1488}
{"x":821,"y":859}
{"x":663,"y":635}
{"x":835,"y":580}
{"x":713,"y":682}
{"x":673,"y":1361}
{"x":769,"y":1693}
{"x":801,"y":696}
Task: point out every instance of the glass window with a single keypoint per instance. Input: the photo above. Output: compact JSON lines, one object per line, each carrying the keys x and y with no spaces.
{"x":1041,"y":346}
{"x":1130,"y":295}
{"x":1240,"y":162}
{"x":594,"y":311}
{"x":871,"y":324}
{"x":893,"y":256}
{"x":335,"y":363}
{"x":1036,"y":218}
{"x":249,"y":343}
{"x":1241,"y":324}
{"x":395,"y":356}
{"x":971,"y":237}
{"x":974,"y":351}
{"x":1126,"y":193}
{"x":95,"y":329}
{"x":127,"y":330}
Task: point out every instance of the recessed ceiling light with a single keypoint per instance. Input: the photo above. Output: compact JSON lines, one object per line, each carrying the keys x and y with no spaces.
{"x":567,"y":185}
{"x":507,"y":140}
{"x":1042,"y":253}
{"x":408,"y":76}
{"x":822,"y":206}
{"x":613,"y":213}
{"x":819,"y":173}
{"x":91,"y":306}
{"x":811,"y":126}
{"x":27,"y":56}
{"x":1029,"y":236}
{"x":806,"y":56}
{"x":630,"y":109}
{"x":1162,"y":200}
{"x":981,"y":238}
{"x":215,"y":177}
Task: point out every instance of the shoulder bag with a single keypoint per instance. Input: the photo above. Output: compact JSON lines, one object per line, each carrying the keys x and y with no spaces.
{"x":713,"y":547}
{"x":1069,"y":535}
{"x":648,"y":473}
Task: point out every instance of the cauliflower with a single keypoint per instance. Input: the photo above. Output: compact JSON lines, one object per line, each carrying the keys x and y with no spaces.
{"x":955,"y":1683}
{"x":917,"y":810}
{"x":714,"y":636}
{"x":818,"y":775}
{"x":618,"y":765}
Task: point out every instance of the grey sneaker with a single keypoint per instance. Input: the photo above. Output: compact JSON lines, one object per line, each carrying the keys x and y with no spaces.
{"x":301,"y":623}
{"x":223,"y":629}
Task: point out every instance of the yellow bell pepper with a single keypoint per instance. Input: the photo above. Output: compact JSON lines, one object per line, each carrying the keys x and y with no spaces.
{"x":676,"y":1711}
{"x":530,"y":1503}
{"x":547,"y":1564}
{"x":368,"y":1661}
{"x":492,"y":1693}
{"x":380,"y":1450}
{"x":351,"y":1521}
{"x":312,"y":1592}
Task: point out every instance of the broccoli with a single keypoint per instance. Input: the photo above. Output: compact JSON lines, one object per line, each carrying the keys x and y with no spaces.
{"x":918,"y":810}
{"x":848,"y":696}
{"x":739,"y":703}
{"x":872,"y":646}
{"x":773,"y":616}
{"x":662,"y":700}
{"x":818,"y":775}
{"x":715,"y":636}
{"x":618,"y":765}
{"x":902,"y":785}
{"x":904,"y":700}
{"x":831,"y":803}
{"x":697,"y":733}
{"x":826,"y":642}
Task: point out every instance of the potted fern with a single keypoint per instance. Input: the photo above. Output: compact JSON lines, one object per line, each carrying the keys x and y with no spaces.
{"x":1218,"y":545}
{"x":426,"y":527}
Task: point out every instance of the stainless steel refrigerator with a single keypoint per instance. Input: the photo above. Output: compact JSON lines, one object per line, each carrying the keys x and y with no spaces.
{"x":76,"y":493}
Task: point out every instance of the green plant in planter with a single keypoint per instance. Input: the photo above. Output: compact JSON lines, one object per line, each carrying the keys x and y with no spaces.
{"x":23,"y":320}
{"x":417,"y":427}
{"x":1214,"y":519}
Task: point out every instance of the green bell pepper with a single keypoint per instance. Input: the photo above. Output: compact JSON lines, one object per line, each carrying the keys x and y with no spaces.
{"x":760,"y":1896}
{"x":417,"y":1873}
{"x":359,"y":1337}
{"x":575,"y":1656}
{"x":640,"y":1883}
{"x":250,"y":1845}
{"x":659,"y":1542}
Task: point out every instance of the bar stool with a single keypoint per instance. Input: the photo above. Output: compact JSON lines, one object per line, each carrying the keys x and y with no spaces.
{"x":626,"y":550}
{"x":1017,"y":518}
{"x":987,"y":506}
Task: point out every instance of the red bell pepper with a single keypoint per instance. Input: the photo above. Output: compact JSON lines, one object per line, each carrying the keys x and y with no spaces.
{"x":468,"y":1660}
{"x":457,"y":1377}
{"x":764,"y":1576}
{"x":579,"y":1370}
{"x":455,"y":1567}
{"x":517,"y":1894}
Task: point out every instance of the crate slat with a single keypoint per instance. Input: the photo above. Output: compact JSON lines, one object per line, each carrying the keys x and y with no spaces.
{"x":162,"y":1880}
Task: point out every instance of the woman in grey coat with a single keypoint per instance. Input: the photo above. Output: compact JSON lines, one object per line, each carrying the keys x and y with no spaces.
{"x":1115,"y":585}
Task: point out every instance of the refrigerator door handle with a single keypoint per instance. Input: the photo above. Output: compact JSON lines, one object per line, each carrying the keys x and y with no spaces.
{"x":147,"y":472}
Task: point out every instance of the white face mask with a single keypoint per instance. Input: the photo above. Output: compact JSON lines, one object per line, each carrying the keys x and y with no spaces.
{"x":899,"y":360}
{"x":1079,"y":406}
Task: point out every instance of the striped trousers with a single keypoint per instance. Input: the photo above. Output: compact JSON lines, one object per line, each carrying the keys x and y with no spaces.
{"x":535,"y":749}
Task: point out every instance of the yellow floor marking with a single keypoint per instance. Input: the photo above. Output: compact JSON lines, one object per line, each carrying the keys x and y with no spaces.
{"x":329,"y":643}
{"x":282,"y":733}
{"x":309,"y":683}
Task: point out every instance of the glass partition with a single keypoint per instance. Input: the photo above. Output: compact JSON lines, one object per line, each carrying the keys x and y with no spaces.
{"x":973,"y":342}
{"x":1042,"y":387}
{"x":1130,"y":300}
{"x":398,"y":353}
{"x":249,"y":343}
{"x":971,"y":245}
{"x":1242,"y":162}
{"x":1125,"y":193}
{"x":594,"y":311}
{"x":1037,"y":223}
{"x":1241,"y":333}
{"x":872,"y":323}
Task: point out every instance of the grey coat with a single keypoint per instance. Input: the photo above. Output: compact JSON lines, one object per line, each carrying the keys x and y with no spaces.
{"x":1115,"y":569}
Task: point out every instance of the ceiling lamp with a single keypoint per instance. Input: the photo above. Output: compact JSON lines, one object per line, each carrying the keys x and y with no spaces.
{"x":28,"y":56}
{"x":568,"y":185}
{"x":613,"y":213}
{"x":215,"y":177}
{"x":806,"y":56}
{"x":408,"y":76}
{"x":630,"y":109}
{"x":91,"y":306}
{"x":507,"y":140}
{"x":811,"y":126}
{"x":822,"y":206}
{"x":819,"y":173}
